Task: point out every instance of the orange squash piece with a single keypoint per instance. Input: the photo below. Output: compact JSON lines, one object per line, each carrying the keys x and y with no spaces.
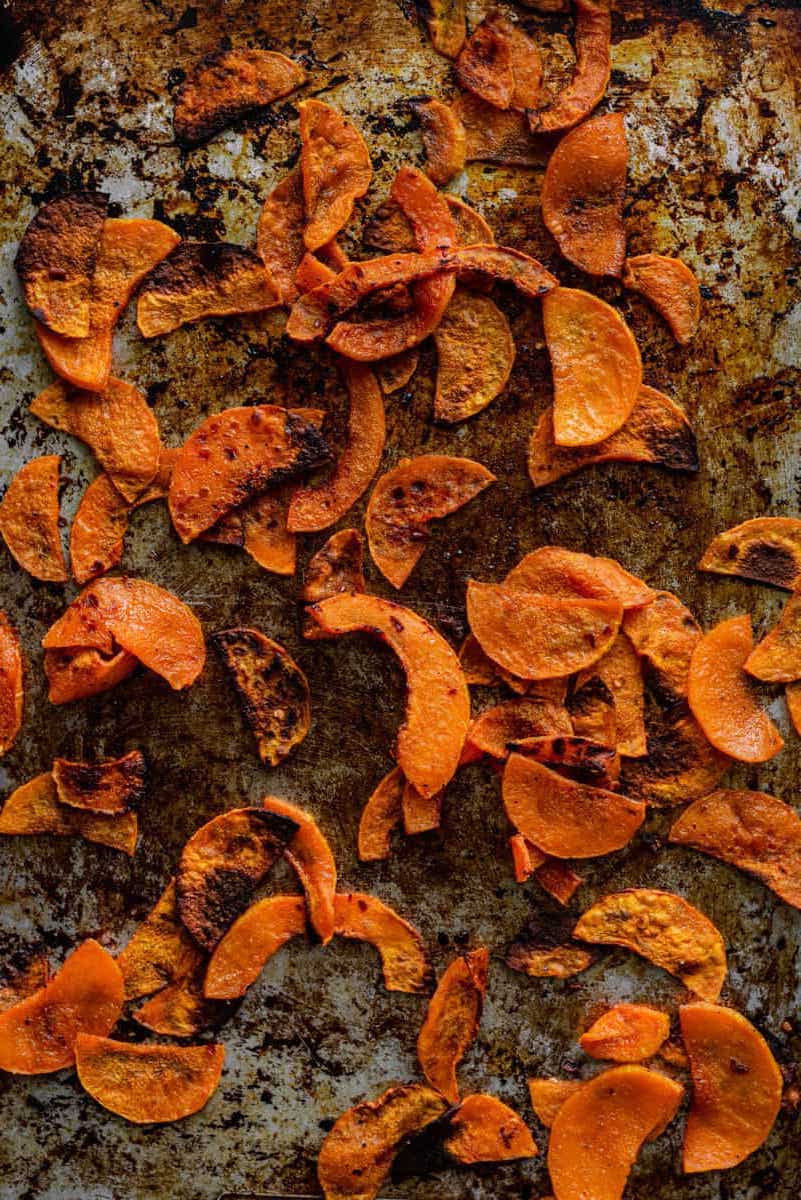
{"x":620,"y":671}
{"x":336,"y":567}
{"x":525,"y":857}
{"x":446,"y":22}
{"x":403,"y":958}
{"x":548,"y":1095}
{"x":74,"y":674}
{"x":558,"y":880}
{"x":336,"y":170}
{"x":356,"y":1156}
{"x":111,"y":786}
{"x":656,"y":431}
{"x":495,"y":135}
{"x":309,"y":854}
{"x":479,"y":670}
{"x":475,"y":356}
{"x":35,"y":808}
{"x":583,"y":194}
{"x":577,"y":758}
{"x":148,"y":1084}
{"x":767,"y":549}
{"x":11,"y":685}
{"x":484,"y":1129}
{"x":494,"y":730}
{"x":544,"y":949}
{"x":501,"y":64}
{"x":438,"y":703}
{"x":19,"y":984}
{"x":396,"y":372}
{"x":39,"y":1034}
{"x":777,"y":658}
{"x":626,"y":1033}
{"x":407,"y":498}
{"x":593,"y":44}
{"x":279,"y":236}
{"x":663,"y":928}
{"x":117,"y":424}
{"x":452,"y":1020}
{"x":671,"y":288}
{"x":597,"y":1133}
{"x":563,"y":818}
{"x":680,"y":765}
{"x":721,"y":699}
{"x":557,"y":571}
{"x":159,"y":951}
{"x":596,"y":367}
{"x":592,"y":711}
{"x":737,"y":1087}
{"x":29,"y":519}
{"x":538,"y":636}
{"x":250,"y":943}
{"x":421,"y":814}
{"x":664,"y":633}
{"x":443,"y":140}
{"x":754,"y":831}
{"x":181,"y":1010}
{"x":227,"y":85}
{"x":391,"y":231}
{"x":381,"y":814}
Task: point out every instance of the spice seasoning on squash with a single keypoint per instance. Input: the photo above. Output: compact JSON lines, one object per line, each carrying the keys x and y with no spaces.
{"x":112,"y":786}
{"x":484,"y":1129}
{"x":767,"y":549}
{"x":403,"y":957}
{"x":249,"y":944}
{"x":494,"y":730}
{"x":544,"y":949}
{"x":35,"y":808}
{"x":452,"y":1020}
{"x":500,"y":64}
{"x":443,"y":140}
{"x":335,"y":568}
{"x":593,"y":44}
{"x":620,"y":671}
{"x":310,"y":856}
{"x":74,"y":674}
{"x":475,"y":356}
{"x":592,"y":711}
{"x":336,"y":170}
{"x":12,"y":690}
{"x":777,"y":658}
{"x":680,"y":765}
{"x":279,"y":236}
{"x":227,"y":85}
{"x":548,"y":1095}
{"x":380,"y":816}
{"x":446,"y":22}
{"x":671,"y":288}
{"x":626,"y":1033}
{"x":29,"y":519}
{"x":160,"y":950}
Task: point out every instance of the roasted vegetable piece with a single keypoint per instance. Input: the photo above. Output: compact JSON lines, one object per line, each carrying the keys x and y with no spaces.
{"x":737,"y":1087}
{"x":200,"y":280}
{"x":597,"y":1133}
{"x":407,"y":498}
{"x":403,"y":958}
{"x":310,"y":856}
{"x":443,"y":139}
{"x":792,"y":696}
{"x":560,"y":572}
{"x":221,"y":866}
{"x":251,"y":942}
{"x":181,"y":1010}
{"x":558,"y":880}
{"x":663,"y":928}
{"x":160,"y":950}
{"x":721,"y":697}
{"x":396,"y":372}
{"x":548,"y":1095}
{"x":487,"y":1130}
{"x":671,"y":288}
{"x":11,"y":685}
{"x":576,"y":758}
{"x":620,"y":671}
{"x":494,"y":730}
{"x":592,"y":711}
{"x":19,"y":984}
{"x":496,"y":135}
{"x":39,"y":1034}
{"x":35,"y":808}
{"x":76,"y":674}
{"x":596,"y":367}
{"x":381,"y":814}
{"x":583,"y":193}
{"x":357,"y":1154}
{"x":420,"y":813}
{"x":626,"y":1033}
{"x":501,"y":64}
{"x":438,"y":703}
{"x":525,"y":857}
{"x":227,"y":85}
{"x":680,"y":764}
{"x":656,"y":431}
{"x":336,"y":170}
{"x":29,"y":519}
{"x":475,"y":355}
{"x":664,"y":633}
{"x":563,"y":818}
{"x":540,"y":637}
{"x":148,"y":1084}
{"x":544,"y":949}
{"x":447,"y":25}
{"x":767,"y":549}
{"x":777,"y":658}
{"x":56,"y":261}
{"x":272,"y":690}
{"x":279,"y":237}
{"x":593,"y":37}
{"x":754,"y":831}
{"x":336,"y":567}
{"x":114,"y":785}
{"x":391,"y":231}
{"x":117,"y":424}
{"x":452,"y":1020}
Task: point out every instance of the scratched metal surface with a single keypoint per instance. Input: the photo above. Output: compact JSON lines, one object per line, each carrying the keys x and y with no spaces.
{"x":713,"y":119}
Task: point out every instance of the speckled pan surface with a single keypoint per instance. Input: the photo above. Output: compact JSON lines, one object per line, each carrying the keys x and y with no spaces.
{"x":710,"y":93}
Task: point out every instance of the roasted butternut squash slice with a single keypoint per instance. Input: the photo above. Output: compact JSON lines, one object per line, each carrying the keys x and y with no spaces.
{"x":29,"y":519}
{"x":12,"y":690}
{"x":475,"y":356}
{"x":381,"y":814}
{"x":111,"y":786}
{"x":443,"y":140}
{"x":227,"y":85}
{"x":556,"y":571}
{"x":767,"y":549}
{"x":671,"y":288}
{"x":279,"y":236}
{"x":311,"y":857}
{"x":593,"y":45}
{"x":620,"y":671}
{"x":403,"y":958}
{"x":74,"y":674}
{"x":335,"y":167}
{"x":34,"y":808}
{"x":446,"y":21}
{"x":252,"y":940}
{"x":452,"y":1020}
{"x":495,"y":730}
{"x":484,"y":1129}
{"x":549,"y":1094}
{"x":626,"y":1033}
{"x":160,"y":949}
{"x":577,"y":758}
{"x":777,"y":658}
{"x":501,"y":64}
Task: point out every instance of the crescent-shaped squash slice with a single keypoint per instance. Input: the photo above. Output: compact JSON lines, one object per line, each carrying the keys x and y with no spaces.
{"x":500,"y":64}
{"x":234,"y":456}
{"x":29,"y":519}
{"x":537,"y":636}
{"x":753,"y":831}
{"x":671,"y":288}
{"x":438,"y":703}
{"x":549,"y":1094}
{"x":310,"y":855}
{"x":577,"y":758}
{"x":407,"y":498}
{"x":228,"y":84}
{"x":494,"y":730}
{"x":596,"y":367}
{"x":148,"y":1084}
{"x":721,"y":698}
{"x":181,"y":1010}
{"x":544,"y":949}
{"x":336,"y":170}
{"x":381,"y":814}
{"x":160,"y":950}
{"x":737,"y":1087}
{"x":34,"y":808}
{"x":777,"y":658}
{"x":403,"y":958}
{"x":583,"y":193}
{"x":452,"y":1020}
{"x":443,"y":140}
{"x":620,"y":671}
{"x":664,"y":633}
{"x":663,"y":928}
{"x":626,"y":1033}
{"x":446,"y":21}
{"x":563,"y":818}
{"x":39,"y":1034}
{"x":497,"y":135}
{"x":484,"y":1129}
{"x":767,"y":549}
{"x":250,"y":943}
{"x":336,"y":567}
{"x":593,"y":44}
{"x":279,"y":236}
{"x":475,"y":356}
{"x":557,"y":571}
{"x":111,"y":786}
{"x":12,"y":692}
{"x":391,"y":231}
{"x":74,"y":674}
{"x":597,"y":1133}
{"x":680,"y":765}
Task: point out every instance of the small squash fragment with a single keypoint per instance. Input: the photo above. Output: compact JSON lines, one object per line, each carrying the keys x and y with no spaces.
{"x":563,"y":818}
{"x":597,"y":1133}
{"x":626,"y":1033}
{"x":500,"y":64}
{"x":403,"y":958}
{"x":111,"y":786}
{"x":200,"y":280}
{"x":655,"y":431}
{"x":380,"y":816}
{"x":279,"y":236}
{"x":148,"y":1084}
{"x":596,"y":367}
{"x":272,"y":690}
{"x":227,"y":85}
{"x":737,"y":1087}
{"x":663,"y":928}
{"x":525,"y":857}
{"x":484,"y":1129}
{"x":74,"y":674}
{"x":475,"y":356}
{"x":356,"y":1156}
{"x":721,"y":698}
{"x":310,"y":856}
{"x":494,"y":730}
{"x":620,"y":671}
{"x":452,"y":1020}
{"x":577,"y":758}
{"x":407,"y":498}
{"x":558,"y":880}
{"x":336,"y":170}
{"x":181,"y":1010}
{"x":421,"y":814}
{"x":583,"y":194}
{"x":438,"y":703}
{"x":544,"y":949}
{"x":593,"y":45}
{"x":39,"y":1034}
{"x":29,"y":519}
{"x":548,"y":1095}
{"x":495,"y":135}
{"x":159,"y":951}
{"x":35,"y":808}
{"x":249,"y":944}
{"x":754,"y":831}
{"x":767,"y":549}
{"x":443,"y":139}
{"x":221,"y":866}
{"x":556,"y":571}
{"x":396,"y":372}
{"x":777,"y":658}
{"x":671,"y":288}
{"x":335,"y":567}
{"x":12,"y":692}
{"x":446,"y":21}
{"x":664,"y":633}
